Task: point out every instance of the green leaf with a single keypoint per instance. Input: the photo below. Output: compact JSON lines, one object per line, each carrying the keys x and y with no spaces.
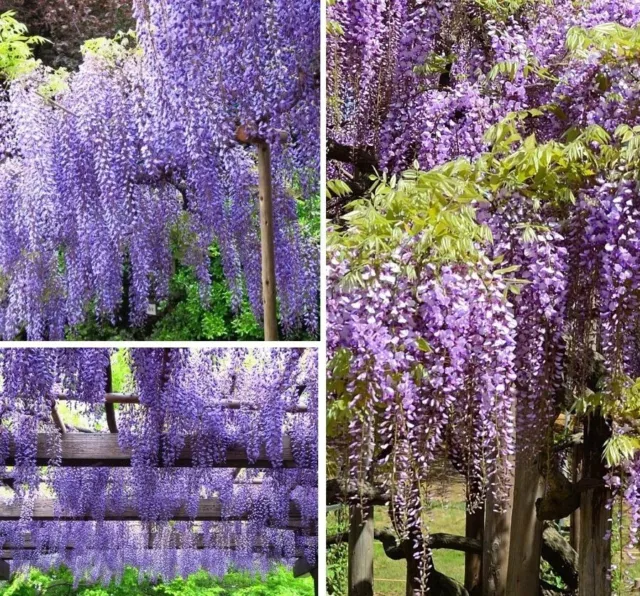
{"x":423,"y":345}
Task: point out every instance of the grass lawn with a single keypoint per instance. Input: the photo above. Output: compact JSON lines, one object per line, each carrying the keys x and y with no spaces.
{"x":390,"y":575}
{"x":447,"y":514}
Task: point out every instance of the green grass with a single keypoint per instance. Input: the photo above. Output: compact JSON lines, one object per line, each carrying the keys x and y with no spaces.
{"x":446,"y":515}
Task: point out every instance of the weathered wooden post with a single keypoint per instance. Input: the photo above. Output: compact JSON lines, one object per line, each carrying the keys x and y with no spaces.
{"x":525,"y":544}
{"x":267,"y":244}
{"x":361,"y":536}
{"x":495,"y":555}
{"x":5,"y":570}
{"x":574,"y":529}
{"x":594,"y":554}
{"x":474,"y":525}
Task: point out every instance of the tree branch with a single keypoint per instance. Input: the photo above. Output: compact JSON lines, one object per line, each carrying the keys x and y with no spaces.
{"x":340,"y":492}
{"x":560,"y":555}
{"x":362,"y":158}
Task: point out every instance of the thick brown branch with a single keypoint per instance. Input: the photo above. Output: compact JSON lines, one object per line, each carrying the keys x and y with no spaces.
{"x":362,"y":158}
{"x":394,"y":550}
{"x":340,"y":492}
{"x":561,"y":500}
{"x":558,"y":553}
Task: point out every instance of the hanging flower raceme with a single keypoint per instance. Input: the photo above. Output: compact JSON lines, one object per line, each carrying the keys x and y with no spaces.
{"x":189,"y":412}
{"x":421,"y":354}
{"x":132,"y":164}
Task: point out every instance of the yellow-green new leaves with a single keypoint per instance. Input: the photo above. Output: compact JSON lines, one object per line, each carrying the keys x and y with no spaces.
{"x":610,"y":38}
{"x":16,"y":57}
{"x":435,"y":207}
{"x":503,"y":9}
{"x":337,"y":188}
{"x":619,"y":449}
{"x":115,"y":50}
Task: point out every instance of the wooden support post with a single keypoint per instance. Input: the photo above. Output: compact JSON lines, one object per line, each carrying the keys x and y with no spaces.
{"x":474,"y":525}
{"x":361,"y":551}
{"x":5,"y":570}
{"x":110,"y":409}
{"x":495,"y":556}
{"x":574,"y":529}
{"x":594,"y":554}
{"x":525,"y":544}
{"x":267,"y":242}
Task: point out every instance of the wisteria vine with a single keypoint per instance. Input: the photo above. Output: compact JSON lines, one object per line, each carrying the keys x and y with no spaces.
{"x":208,"y":400}
{"x":471,"y":357}
{"x":111,"y":174}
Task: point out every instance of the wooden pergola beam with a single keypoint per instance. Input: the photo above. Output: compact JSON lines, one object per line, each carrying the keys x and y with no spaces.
{"x":208,"y":510}
{"x":8,"y":552}
{"x":230,"y":404}
{"x":102,"y":450}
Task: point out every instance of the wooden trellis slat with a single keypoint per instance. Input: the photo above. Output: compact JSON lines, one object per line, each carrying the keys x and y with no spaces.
{"x":230,"y":404}
{"x":8,"y":553}
{"x":208,"y":510}
{"x":102,"y":450}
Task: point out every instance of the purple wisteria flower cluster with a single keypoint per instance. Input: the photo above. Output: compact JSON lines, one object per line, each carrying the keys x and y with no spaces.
{"x":133,"y":163}
{"x":473,"y":359}
{"x":415,"y":80}
{"x":212,"y":401}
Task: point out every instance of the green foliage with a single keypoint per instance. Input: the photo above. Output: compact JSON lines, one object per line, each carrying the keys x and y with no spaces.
{"x":279,"y":582}
{"x":337,"y":580}
{"x":189,"y":318}
{"x":503,"y":9}
{"x":337,"y":188}
{"x":434,"y":208}
{"x":616,"y":41}
{"x":619,"y":449}
{"x":338,"y":412}
{"x":16,"y":47}
{"x":337,"y":554}
{"x":120,"y":371}
{"x":434,"y":64}
{"x":184,"y":315}
{"x":309,"y":214}
{"x":56,"y":84}
{"x":115,"y":50}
